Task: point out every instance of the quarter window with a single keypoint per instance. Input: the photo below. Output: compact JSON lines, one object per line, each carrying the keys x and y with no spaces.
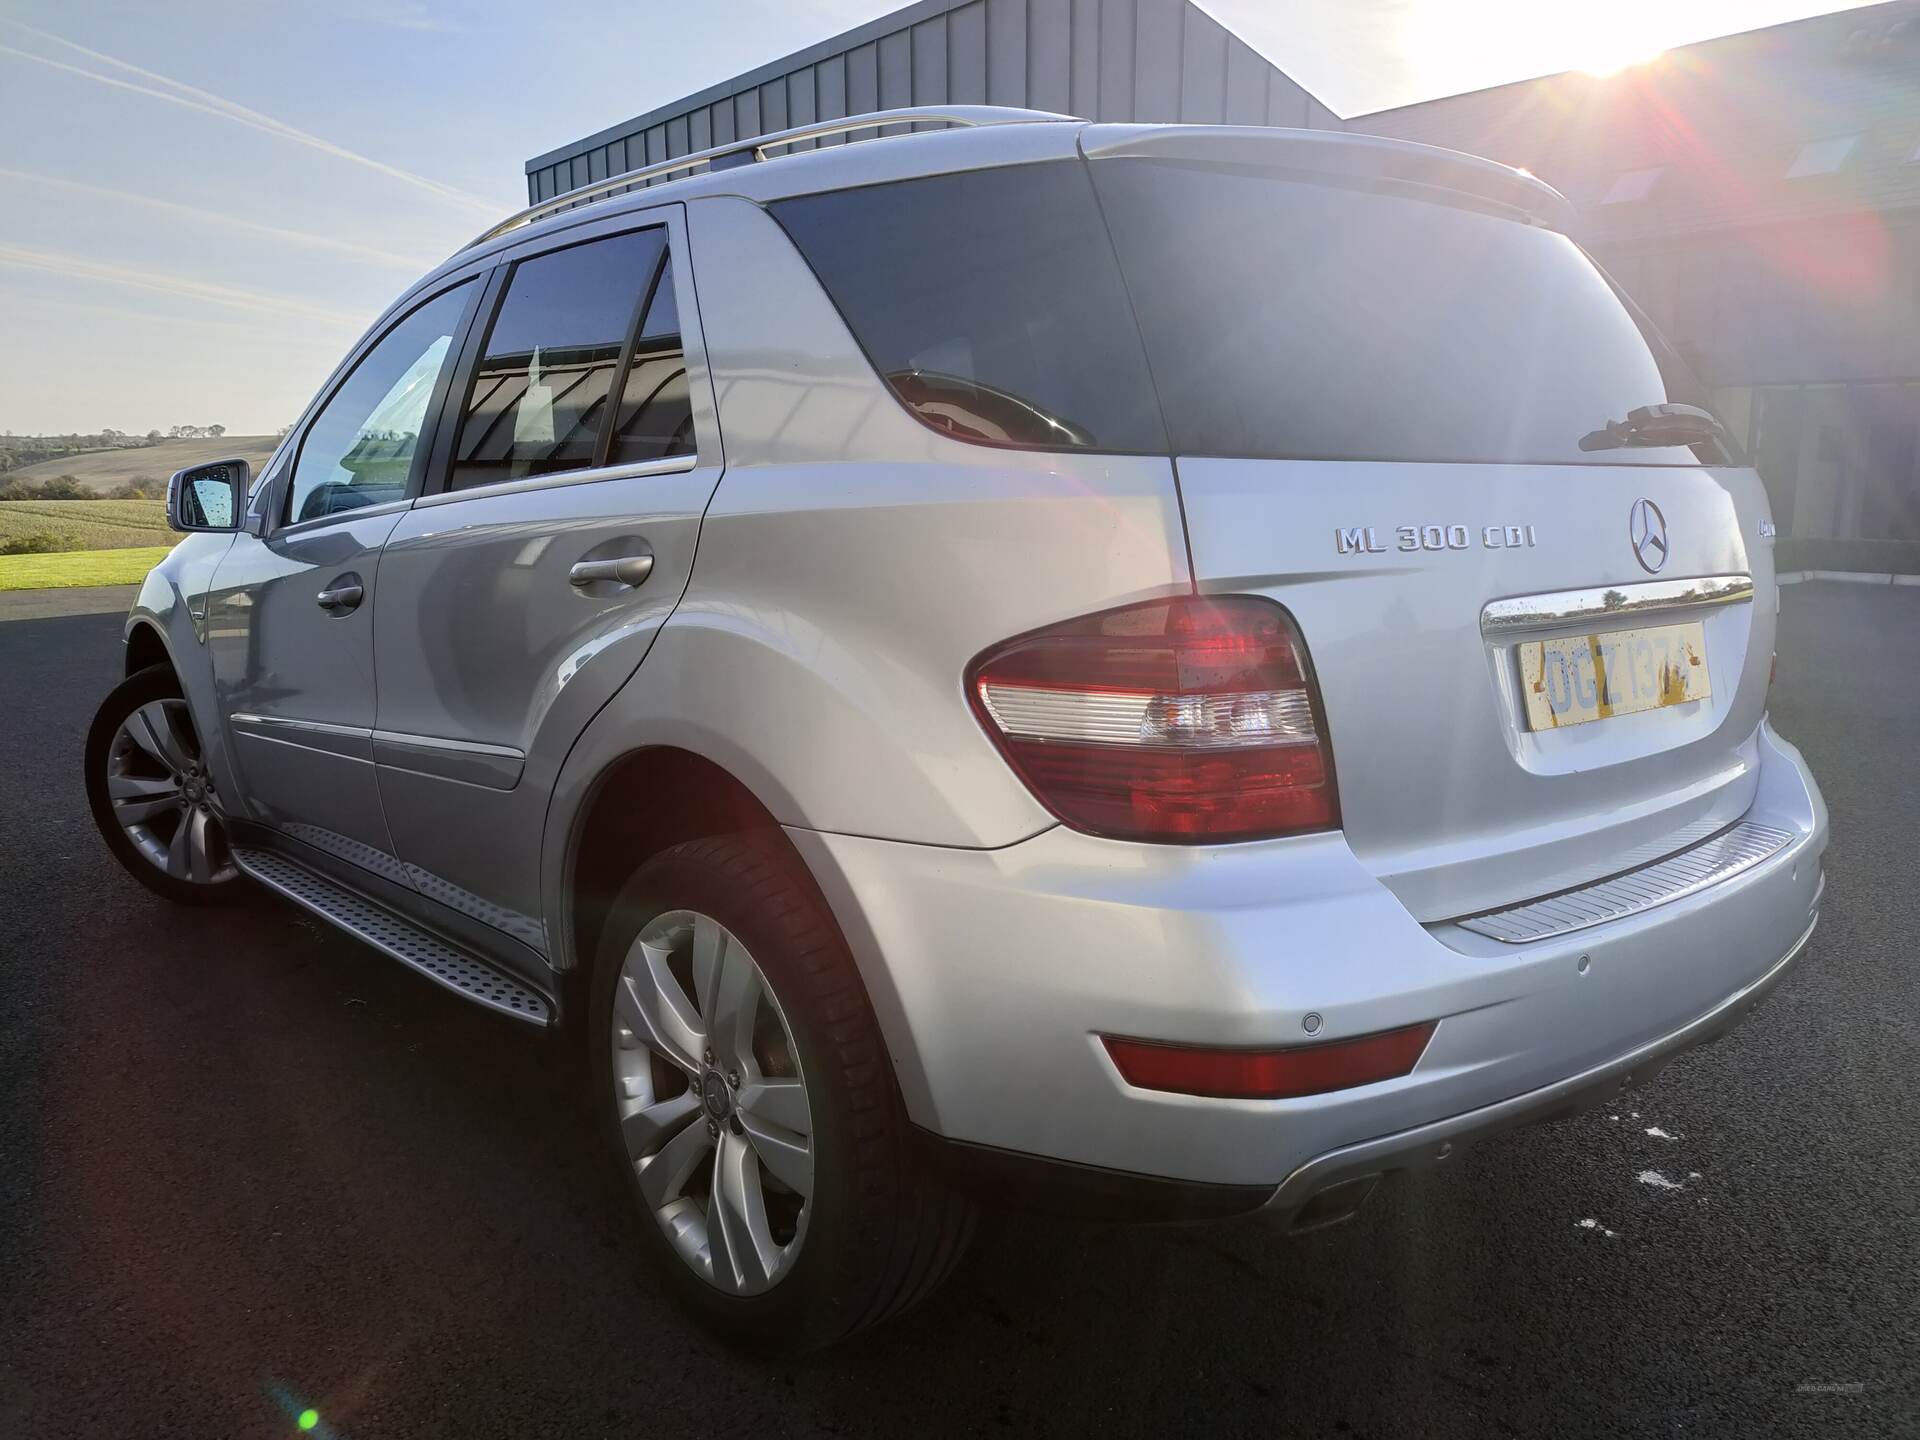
{"x":991,"y":303}
{"x":360,"y":449}
{"x":538,"y":403}
{"x":656,"y":417}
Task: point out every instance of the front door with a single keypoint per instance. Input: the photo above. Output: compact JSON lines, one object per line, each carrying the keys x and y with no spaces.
{"x":524,"y":589}
{"x":290,"y":623}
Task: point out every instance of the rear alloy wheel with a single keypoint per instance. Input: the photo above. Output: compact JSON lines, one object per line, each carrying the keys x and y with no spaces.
{"x":712,"y":1104}
{"x":152,"y":794}
{"x":751,"y":1105}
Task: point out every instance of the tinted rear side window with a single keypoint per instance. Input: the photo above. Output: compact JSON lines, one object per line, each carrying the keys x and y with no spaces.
{"x":991,"y":302}
{"x":539,"y":394}
{"x":1294,"y":319}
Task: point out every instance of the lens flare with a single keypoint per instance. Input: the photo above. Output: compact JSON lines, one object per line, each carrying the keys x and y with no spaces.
{"x":309,"y":1419}
{"x":1465,"y":46}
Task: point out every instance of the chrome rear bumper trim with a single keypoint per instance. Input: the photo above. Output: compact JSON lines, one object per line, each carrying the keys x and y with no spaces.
{"x":1720,"y":857}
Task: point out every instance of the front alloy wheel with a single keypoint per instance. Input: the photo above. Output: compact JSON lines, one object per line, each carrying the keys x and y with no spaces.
{"x":712,"y":1103}
{"x":163,"y":798}
{"x":152,"y":794}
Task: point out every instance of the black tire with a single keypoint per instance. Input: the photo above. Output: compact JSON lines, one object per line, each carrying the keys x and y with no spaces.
{"x":882,"y":1231}
{"x":156,"y":682}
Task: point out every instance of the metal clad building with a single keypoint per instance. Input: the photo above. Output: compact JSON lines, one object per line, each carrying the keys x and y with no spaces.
{"x":1104,"y":59}
{"x":1758,"y":194}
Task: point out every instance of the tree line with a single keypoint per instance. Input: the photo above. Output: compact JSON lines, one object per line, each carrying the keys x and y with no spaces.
{"x":66,"y":487}
{"x":19,"y":451}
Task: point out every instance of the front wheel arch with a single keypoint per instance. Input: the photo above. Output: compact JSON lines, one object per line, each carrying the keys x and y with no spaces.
{"x":146,"y":648}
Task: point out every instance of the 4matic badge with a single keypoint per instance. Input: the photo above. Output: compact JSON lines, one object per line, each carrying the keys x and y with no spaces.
{"x":1366,"y":539}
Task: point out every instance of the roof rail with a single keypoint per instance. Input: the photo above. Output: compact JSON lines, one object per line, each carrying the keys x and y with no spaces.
{"x":746,"y":152}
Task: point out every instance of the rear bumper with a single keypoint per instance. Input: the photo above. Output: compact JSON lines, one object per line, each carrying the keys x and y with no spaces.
{"x":995,"y":972}
{"x":1430,"y":1144}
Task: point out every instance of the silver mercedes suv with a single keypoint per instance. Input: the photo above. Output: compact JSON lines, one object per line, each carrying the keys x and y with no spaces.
{"x":1157,"y":671}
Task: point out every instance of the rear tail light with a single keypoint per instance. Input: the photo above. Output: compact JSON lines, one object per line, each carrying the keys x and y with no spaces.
{"x":1270,"y":1074}
{"x":1187,"y":720}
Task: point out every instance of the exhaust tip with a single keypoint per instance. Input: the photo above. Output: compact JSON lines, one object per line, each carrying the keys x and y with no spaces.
{"x":1332,"y":1205}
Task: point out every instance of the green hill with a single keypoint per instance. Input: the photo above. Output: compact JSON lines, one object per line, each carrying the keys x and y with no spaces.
{"x":103,"y":470}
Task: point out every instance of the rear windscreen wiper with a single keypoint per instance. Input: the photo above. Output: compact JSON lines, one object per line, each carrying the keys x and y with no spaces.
{"x":1655,"y":425}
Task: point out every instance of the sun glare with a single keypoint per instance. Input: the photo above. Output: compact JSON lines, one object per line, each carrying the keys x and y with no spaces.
{"x":1610,"y":55}
{"x":1465,"y":45}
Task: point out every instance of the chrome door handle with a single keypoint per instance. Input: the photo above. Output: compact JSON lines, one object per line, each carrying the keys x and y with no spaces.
{"x":628,"y":570}
{"x":341,"y":597}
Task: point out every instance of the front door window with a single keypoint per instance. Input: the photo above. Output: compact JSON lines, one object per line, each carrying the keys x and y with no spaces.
{"x":361,"y":448}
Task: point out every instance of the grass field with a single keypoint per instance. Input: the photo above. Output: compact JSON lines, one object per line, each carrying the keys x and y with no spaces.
{"x":79,"y":567}
{"x":105,"y":469}
{"x":87,"y":524}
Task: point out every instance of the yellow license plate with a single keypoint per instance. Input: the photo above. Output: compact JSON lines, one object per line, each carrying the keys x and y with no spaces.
{"x":1578,"y":678}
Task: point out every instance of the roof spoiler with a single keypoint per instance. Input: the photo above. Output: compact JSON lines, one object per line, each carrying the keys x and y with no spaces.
{"x":1338,"y":153}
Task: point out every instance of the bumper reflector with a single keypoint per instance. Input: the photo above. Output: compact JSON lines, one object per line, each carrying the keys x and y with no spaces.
{"x":1269,"y":1074}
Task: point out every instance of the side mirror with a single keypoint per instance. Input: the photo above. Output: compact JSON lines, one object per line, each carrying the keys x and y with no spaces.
{"x":209,"y":497}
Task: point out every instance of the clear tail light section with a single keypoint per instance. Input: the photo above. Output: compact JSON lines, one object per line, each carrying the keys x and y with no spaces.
{"x":1188,"y":720}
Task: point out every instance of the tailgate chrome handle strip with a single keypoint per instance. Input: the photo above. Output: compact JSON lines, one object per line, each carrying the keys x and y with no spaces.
{"x":1719,"y":858}
{"x":1612,"y":602}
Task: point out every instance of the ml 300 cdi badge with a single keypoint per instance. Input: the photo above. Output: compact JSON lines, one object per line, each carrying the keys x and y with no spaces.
{"x":1166,"y":671}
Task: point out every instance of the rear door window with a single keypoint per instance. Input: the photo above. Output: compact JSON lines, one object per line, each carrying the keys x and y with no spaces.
{"x":1300,"y":317}
{"x":990,"y":302}
{"x":538,"y":400}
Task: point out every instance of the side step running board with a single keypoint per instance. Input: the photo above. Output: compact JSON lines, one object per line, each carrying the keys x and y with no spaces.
{"x":418,"y":949}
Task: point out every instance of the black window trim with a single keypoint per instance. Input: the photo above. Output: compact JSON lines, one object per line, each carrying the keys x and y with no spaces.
{"x":439,"y":473}
{"x":417,"y":470}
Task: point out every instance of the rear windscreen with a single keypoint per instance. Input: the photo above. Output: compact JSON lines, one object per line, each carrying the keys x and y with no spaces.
{"x":1143,"y":306}
{"x":991,"y":302}
{"x":1287,"y":317}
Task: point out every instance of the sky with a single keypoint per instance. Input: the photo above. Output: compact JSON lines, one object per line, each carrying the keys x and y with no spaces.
{"x":203,"y":203}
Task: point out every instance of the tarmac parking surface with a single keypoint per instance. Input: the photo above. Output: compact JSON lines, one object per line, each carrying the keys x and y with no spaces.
{"x":249,"y":1167}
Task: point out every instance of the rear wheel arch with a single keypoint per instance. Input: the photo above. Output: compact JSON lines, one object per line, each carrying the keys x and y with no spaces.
{"x":643,"y":803}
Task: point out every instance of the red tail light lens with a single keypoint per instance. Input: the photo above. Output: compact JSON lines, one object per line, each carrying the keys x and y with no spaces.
{"x":1187,"y":720}
{"x":1270,"y":1074}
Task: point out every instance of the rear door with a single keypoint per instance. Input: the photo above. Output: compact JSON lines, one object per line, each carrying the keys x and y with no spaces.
{"x":1400,"y":406}
{"x":516,"y":597}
